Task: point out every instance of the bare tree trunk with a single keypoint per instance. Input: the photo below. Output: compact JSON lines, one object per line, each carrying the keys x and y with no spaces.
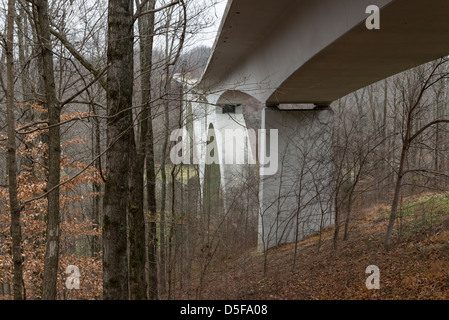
{"x":348,"y":213}
{"x":138,"y":287}
{"x":384,"y":165}
{"x":337,"y":220}
{"x":22,"y":23}
{"x":163,"y":252}
{"x":136,"y":221}
{"x":171,"y":235}
{"x":151,"y":172}
{"x":96,"y":151}
{"x":121,"y":142}
{"x":397,"y":193}
{"x":16,"y":232}
{"x":152,"y":208}
{"x":54,"y":154}
{"x":136,"y":217}
{"x":146,"y":30}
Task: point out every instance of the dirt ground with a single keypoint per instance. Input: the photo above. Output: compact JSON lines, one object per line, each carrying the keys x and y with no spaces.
{"x":413,"y":268}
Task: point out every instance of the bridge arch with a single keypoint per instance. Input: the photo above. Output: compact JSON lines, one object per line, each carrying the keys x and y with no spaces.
{"x":233,"y":97}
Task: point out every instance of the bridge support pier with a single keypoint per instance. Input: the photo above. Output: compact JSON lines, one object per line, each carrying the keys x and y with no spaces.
{"x":296,"y":201}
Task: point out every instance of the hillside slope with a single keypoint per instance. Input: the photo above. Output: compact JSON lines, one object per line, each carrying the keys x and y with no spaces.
{"x":416,"y":267}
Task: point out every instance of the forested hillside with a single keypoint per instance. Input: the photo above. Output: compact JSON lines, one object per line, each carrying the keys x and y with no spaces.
{"x":92,"y":207}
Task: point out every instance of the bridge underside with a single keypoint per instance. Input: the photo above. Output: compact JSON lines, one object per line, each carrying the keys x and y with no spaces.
{"x":317,"y":51}
{"x":412,"y":33}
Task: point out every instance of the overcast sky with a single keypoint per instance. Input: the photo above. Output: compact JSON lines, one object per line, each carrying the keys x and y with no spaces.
{"x":207,"y":37}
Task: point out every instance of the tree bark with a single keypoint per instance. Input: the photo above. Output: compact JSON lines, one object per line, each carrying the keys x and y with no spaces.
{"x":121,"y":142}
{"x":146,"y":158}
{"x":54,"y":154}
{"x":397,"y":193}
{"x":22,"y":24}
{"x":152,"y":208}
{"x":16,"y":232}
{"x":96,"y":187}
{"x":136,"y":223}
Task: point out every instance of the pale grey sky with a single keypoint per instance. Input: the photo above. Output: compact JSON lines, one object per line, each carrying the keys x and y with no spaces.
{"x":207,"y":37}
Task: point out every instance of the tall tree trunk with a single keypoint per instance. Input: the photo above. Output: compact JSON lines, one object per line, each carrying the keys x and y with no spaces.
{"x":16,"y":232}
{"x":96,"y":187}
{"x":169,"y":43}
{"x":136,"y":221}
{"x":383,"y":161}
{"x":54,"y":154}
{"x":146,"y":30}
{"x":152,"y":208}
{"x":163,"y":250}
{"x":22,"y":24}
{"x":171,"y":234}
{"x":121,"y":142}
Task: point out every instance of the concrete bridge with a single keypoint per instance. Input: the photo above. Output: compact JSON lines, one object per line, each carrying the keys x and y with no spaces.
{"x":308,"y":54}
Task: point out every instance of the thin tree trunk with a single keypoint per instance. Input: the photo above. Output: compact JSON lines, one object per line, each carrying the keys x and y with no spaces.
{"x":164,"y":185}
{"x":348,"y":214}
{"x":163,"y":252}
{"x":384,"y":164}
{"x":146,"y":30}
{"x":169,"y":43}
{"x":16,"y":232}
{"x":54,"y":154}
{"x":136,"y":222}
{"x":171,"y":260}
{"x":337,"y":217}
{"x":136,"y":217}
{"x":298,"y":217}
{"x":152,"y":208}
{"x":96,"y":151}
{"x":22,"y":24}
{"x":397,"y":193}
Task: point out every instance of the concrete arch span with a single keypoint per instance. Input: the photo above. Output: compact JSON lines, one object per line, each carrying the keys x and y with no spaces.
{"x":317,"y":51}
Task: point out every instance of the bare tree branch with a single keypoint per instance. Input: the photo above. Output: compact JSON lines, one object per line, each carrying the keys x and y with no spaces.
{"x":78,"y":56}
{"x":140,"y":13}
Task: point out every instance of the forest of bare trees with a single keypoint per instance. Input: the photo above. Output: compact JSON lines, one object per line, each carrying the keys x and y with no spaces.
{"x":89,"y":98}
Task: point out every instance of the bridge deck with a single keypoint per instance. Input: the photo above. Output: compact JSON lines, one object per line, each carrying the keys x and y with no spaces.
{"x":253,"y":45}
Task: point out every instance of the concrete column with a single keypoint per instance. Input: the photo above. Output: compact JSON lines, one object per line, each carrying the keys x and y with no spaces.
{"x":297,"y":201}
